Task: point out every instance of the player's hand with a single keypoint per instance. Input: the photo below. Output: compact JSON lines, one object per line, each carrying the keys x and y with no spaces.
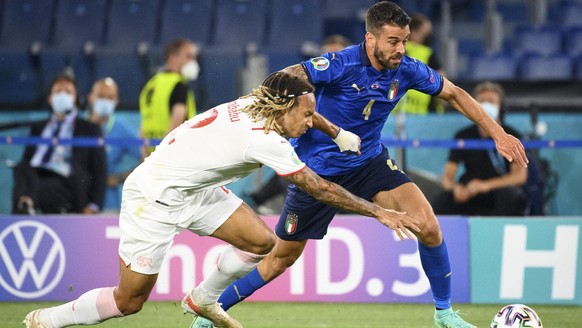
{"x":348,"y":142}
{"x":511,"y":148}
{"x":400,"y":223}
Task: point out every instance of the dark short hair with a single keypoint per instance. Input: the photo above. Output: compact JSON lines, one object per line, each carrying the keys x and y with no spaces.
{"x":385,"y":13}
{"x":63,"y":77}
{"x":173,"y":47}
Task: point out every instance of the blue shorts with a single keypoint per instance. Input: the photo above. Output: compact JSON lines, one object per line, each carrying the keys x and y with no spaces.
{"x":303,"y":217}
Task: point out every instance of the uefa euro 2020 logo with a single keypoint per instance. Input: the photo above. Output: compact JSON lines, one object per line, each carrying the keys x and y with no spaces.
{"x":32,"y":259}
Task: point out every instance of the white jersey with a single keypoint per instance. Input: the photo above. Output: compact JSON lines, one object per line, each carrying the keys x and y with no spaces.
{"x":212,"y":150}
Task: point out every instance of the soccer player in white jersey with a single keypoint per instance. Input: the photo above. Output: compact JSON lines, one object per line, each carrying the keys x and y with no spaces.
{"x":181,"y":186}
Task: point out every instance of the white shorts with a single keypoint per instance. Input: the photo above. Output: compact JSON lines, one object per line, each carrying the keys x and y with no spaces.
{"x":148,"y":229}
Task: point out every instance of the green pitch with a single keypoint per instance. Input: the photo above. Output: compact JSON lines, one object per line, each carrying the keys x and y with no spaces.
{"x":311,"y":315}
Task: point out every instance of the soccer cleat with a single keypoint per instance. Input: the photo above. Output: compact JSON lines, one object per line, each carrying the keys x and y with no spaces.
{"x":450,"y":319}
{"x":200,"y":322}
{"x":212,"y":312}
{"x":31,"y":320}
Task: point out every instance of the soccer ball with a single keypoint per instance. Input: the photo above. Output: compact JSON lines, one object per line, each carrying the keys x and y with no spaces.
{"x":516,"y":316}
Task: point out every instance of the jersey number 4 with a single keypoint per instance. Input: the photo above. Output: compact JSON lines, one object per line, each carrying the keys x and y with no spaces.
{"x":368,"y":109}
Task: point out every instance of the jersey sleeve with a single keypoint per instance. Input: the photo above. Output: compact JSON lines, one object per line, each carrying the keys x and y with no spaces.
{"x":275,"y":152}
{"x":326,"y":68}
{"x":426,"y":79}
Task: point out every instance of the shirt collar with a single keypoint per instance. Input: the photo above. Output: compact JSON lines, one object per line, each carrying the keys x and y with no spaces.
{"x":363,"y":55}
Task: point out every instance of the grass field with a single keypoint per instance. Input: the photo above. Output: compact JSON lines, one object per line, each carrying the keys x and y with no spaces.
{"x":311,"y":315}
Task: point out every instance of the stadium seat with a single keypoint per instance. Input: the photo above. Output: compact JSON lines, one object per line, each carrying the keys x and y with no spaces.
{"x":492,"y":67}
{"x":55,"y":61}
{"x":574,"y":42}
{"x":219,"y":77}
{"x":279,"y":59}
{"x":25,"y":22}
{"x":294,"y":22}
{"x":19,"y":83}
{"x":186,"y":19}
{"x":538,"y":40}
{"x":551,"y":68}
{"x":132,"y":22}
{"x":78,"y":22}
{"x":238,"y":23}
{"x":127,"y":68}
{"x":346,"y":9}
{"x":471,"y":47}
{"x":578,"y":74}
{"x":570,"y":13}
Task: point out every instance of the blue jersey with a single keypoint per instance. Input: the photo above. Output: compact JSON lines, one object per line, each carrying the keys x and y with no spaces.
{"x":358,"y":98}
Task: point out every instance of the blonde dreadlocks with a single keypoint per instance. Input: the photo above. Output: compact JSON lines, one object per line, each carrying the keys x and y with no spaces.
{"x":275,"y":97}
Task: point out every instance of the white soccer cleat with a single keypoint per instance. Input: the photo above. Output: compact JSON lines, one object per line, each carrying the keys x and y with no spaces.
{"x":212,"y":312}
{"x":31,"y":320}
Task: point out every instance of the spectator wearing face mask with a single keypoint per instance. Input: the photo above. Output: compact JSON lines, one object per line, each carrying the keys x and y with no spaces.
{"x":166,"y":101}
{"x":121,"y":159}
{"x":490,"y":185}
{"x":61,"y":178}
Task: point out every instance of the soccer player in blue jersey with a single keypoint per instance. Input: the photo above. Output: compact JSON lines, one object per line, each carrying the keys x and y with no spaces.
{"x":356,"y":89}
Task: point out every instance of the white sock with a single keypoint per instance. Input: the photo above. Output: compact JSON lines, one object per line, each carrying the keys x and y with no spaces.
{"x":233,"y":264}
{"x":93,"y":307}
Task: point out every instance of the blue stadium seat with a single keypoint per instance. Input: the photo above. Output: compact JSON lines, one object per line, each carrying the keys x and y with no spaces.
{"x":186,"y":19}
{"x":219,"y":77}
{"x":239,"y":22}
{"x":542,"y":40}
{"x":471,"y":47}
{"x":279,"y":58}
{"x":578,"y":74}
{"x":492,"y":67}
{"x":551,"y":68}
{"x":132,"y":22}
{"x":25,"y":22}
{"x":78,"y":22}
{"x":348,"y":9}
{"x":294,"y":22}
{"x":574,"y":42}
{"x":55,"y":61}
{"x":570,"y":13}
{"x":127,"y":68}
{"x":19,"y":84}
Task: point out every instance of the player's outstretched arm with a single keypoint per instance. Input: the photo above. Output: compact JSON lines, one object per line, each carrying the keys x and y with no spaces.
{"x":334,"y":195}
{"x":508,"y":146}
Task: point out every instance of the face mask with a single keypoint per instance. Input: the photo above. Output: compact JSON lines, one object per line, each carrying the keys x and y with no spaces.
{"x":190,"y":70}
{"x":491,"y":109}
{"x":61,"y":102}
{"x":103,"y":107}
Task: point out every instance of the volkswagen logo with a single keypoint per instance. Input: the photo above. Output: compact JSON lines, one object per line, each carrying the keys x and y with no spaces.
{"x":32,"y":259}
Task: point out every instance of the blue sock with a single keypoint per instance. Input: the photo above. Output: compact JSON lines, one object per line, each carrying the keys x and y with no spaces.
{"x":436,"y":265}
{"x":241,"y":289}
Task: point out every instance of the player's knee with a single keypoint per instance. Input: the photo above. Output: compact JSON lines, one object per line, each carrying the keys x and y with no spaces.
{"x":263,"y":245}
{"x":132,"y":305}
{"x":430,"y":233}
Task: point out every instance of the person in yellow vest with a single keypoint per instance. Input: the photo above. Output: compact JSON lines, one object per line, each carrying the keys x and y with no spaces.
{"x":166,"y":101}
{"x":419,"y":47}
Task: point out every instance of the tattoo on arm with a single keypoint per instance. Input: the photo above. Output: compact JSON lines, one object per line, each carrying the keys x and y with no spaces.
{"x":331,"y":193}
{"x":296,"y":70}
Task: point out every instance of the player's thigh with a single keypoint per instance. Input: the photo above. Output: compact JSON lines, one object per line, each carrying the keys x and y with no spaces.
{"x":245,"y":230}
{"x":410,"y":199}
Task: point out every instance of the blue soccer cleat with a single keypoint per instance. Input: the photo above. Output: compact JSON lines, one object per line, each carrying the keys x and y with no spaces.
{"x":450,"y":319}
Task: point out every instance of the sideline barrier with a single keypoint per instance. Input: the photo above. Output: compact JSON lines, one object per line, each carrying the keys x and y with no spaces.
{"x":495,"y":260}
{"x":413,"y":143}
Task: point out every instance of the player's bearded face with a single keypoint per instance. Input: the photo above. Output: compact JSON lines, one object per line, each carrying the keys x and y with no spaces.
{"x":389,"y":45}
{"x":388,"y":61}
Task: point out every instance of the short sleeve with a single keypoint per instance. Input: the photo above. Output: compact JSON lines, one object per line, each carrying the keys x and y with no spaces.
{"x":179,"y":95}
{"x":326,"y":68}
{"x":275,"y":152}
{"x":426,"y":79}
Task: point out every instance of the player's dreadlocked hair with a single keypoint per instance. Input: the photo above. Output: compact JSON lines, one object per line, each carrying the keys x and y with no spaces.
{"x":275,"y":97}
{"x":385,"y":13}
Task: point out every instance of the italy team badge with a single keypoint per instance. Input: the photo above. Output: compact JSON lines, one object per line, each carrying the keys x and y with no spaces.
{"x":393,"y":91}
{"x":291,"y":223}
